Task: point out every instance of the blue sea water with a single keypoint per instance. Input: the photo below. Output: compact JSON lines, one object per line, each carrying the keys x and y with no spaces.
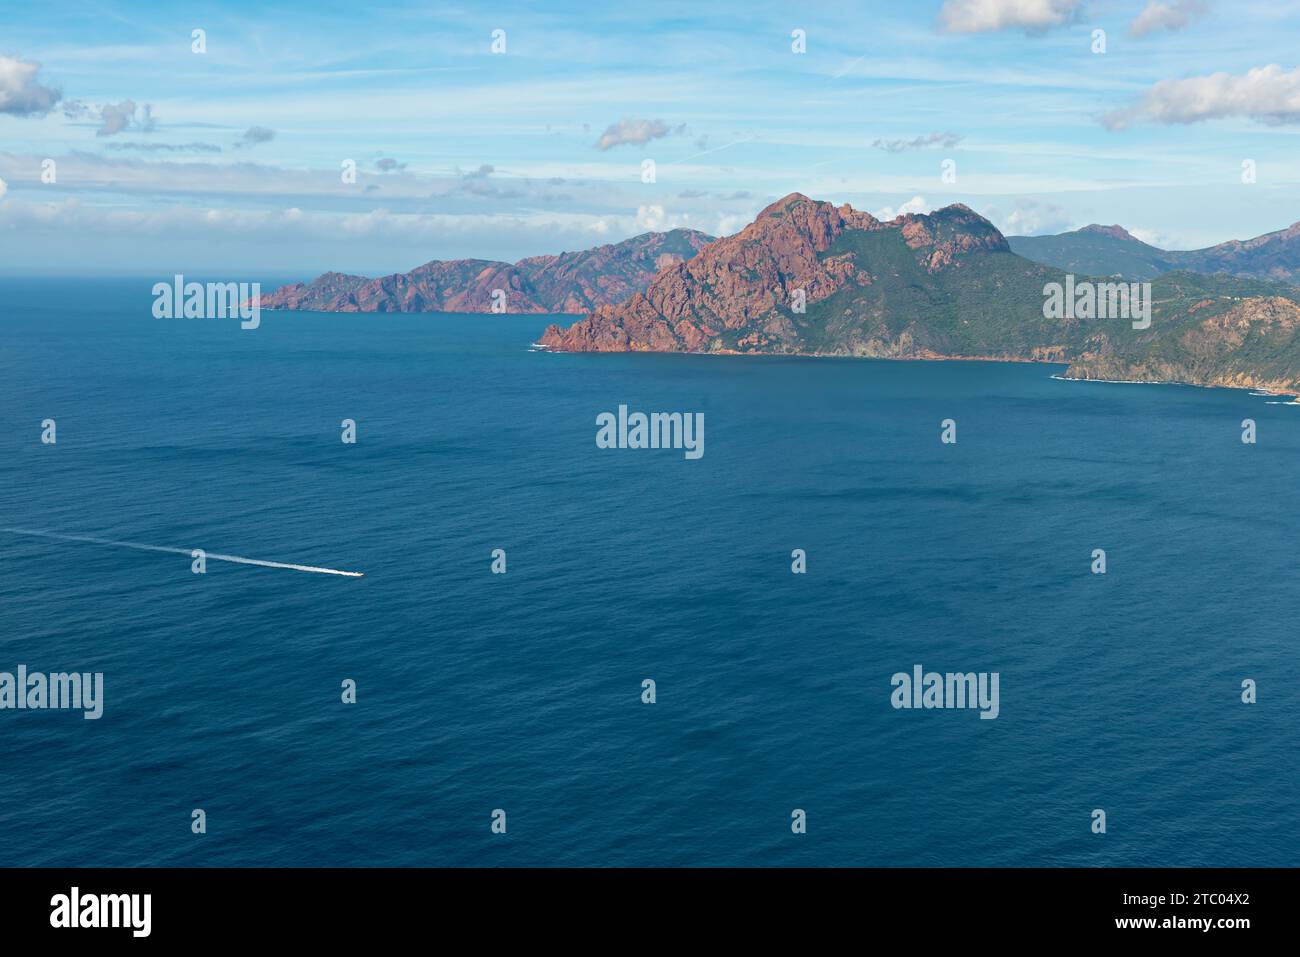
{"x":523,"y":692}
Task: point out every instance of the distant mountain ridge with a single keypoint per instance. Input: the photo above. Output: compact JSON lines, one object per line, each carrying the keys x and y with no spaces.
{"x":1112,"y":251}
{"x":941,"y":285}
{"x":573,"y":282}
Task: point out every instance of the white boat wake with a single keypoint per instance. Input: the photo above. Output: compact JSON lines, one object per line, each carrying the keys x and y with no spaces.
{"x":211,"y":556}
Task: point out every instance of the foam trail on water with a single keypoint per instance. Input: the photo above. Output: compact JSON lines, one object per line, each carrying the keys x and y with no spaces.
{"x":238,"y":559}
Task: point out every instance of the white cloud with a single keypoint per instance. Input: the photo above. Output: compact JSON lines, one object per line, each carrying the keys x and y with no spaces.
{"x":1029,"y":217}
{"x":636,"y":132}
{"x":1268,"y":94}
{"x":730,"y":224}
{"x":983,"y":16}
{"x":1155,"y":237}
{"x":152,"y":179}
{"x":1165,"y":16}
{"x":4,"y":188}
{"x":20,"y":93}
{"x":650,"y":217}
{"x":454,"y":234}
{"x":916,"y":204}
{"x":654,"y":218}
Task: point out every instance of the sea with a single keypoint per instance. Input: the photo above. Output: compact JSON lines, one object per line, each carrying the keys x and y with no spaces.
{"x":520,"y":698}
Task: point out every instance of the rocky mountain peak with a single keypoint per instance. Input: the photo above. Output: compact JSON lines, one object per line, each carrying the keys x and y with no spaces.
{"x":1115,"y":232}
{"x":796,"y":248}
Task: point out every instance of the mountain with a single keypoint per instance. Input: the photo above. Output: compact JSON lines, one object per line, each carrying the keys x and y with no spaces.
{"x":1095,"y":251}
{"x":574,"y":282}
{"x":938,"y":285}
{"x":1112,"y":251}
{"x":1274,"y":256}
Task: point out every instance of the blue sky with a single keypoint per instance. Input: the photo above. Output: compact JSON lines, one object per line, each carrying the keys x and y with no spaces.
{"x":230,"y":160}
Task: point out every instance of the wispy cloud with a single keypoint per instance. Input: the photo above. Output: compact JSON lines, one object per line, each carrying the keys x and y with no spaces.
{"x":476,"y":182}
{"x":635,"y":132}
{"x":113,"y":118}
{"x":946,"y":140}
{"x":117,"y":117}
{"x":254,"y":135}
{"x":165,"y":147}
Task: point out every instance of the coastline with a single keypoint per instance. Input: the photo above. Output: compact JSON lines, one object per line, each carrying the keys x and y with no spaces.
{"x":1257,"y":390}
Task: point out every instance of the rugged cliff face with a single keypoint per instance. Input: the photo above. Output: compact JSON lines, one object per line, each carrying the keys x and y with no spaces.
{"x":740,"y":293}
{"x":942,"y":285}
{"x":1247,"y":343}
{"x":570,"y":282}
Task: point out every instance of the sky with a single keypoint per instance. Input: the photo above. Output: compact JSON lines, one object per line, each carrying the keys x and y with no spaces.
{"x":500,"y":130}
